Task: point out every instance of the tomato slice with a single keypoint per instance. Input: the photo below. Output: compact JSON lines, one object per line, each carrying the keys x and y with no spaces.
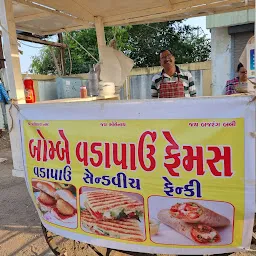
{"x":191,"y":207}
{"x":198,"y":234}
{"x":131,"y":215}
{"x":174,"y":208}
{"x":97,"y":215}
{"x":63,"y":217}
{"x":193,"y":215}
{"x":185,"y":210}
{"x":204,"y":228}
{"x":175,"y":211}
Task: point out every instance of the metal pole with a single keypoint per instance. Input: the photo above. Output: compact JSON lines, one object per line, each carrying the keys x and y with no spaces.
{"x":62,"y":55}
{"x":1,"y":54}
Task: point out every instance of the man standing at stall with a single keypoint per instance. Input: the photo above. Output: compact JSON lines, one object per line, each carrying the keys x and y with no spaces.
{"x":172,"y":82}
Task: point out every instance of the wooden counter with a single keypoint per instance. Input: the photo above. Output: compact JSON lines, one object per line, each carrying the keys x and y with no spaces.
{"x":115,"y":97}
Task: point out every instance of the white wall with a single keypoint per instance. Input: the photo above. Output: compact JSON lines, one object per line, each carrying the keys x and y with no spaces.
{"x":230,"y":19}
{"x":221,"y":59}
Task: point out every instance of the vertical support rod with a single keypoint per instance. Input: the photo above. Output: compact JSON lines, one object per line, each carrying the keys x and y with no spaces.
{"x":14,"y":81}
{"x":99,"y":26}
{"x":62,"y":55}
{"x":1,"y":54}
{"x":11,"y":52}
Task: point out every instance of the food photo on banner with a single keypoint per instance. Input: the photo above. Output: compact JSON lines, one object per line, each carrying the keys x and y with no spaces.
{"x":56,"y":202}
{"x":112,"y":214}
{"x":190,"y":222}
{"x":143,"y":185}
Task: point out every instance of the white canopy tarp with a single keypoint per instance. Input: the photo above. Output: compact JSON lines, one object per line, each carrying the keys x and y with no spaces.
{"x":114,"y":60}
{"x":52,"y":16}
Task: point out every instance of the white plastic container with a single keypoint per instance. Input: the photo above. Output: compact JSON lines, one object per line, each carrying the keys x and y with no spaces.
{"x":106,"y":89}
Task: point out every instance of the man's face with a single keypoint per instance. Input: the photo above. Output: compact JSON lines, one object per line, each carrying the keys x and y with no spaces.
{"x":167,"y":60}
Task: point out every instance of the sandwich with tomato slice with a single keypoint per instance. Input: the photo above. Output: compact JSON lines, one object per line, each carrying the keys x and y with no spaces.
{"x":199,"y":233}
{"x":46,"y":199}
{"x":127,"y":229}
{"x":66,"y":206}
{"x":195,"y":213}
{"x":111,"y":205}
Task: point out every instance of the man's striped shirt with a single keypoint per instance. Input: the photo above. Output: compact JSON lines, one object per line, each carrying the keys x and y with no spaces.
{"x":185,"y":77}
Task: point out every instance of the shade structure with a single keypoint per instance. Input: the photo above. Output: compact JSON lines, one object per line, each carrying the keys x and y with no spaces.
{"x":46,"y":17}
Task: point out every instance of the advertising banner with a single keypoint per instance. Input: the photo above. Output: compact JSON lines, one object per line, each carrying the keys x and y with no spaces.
{"x":251,"y":60}
{"x":150,"y":184}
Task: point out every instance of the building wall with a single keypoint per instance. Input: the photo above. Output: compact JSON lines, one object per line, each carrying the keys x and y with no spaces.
{"x":138,"y":84}
{"x":226,"y":50}
{"x":239,"y":41}
{"x":230,"y":19}
{"x":229,"y":32}
{"x":221,"y":59}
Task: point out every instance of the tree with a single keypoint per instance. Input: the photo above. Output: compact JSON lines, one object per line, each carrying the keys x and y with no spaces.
{"x":142,"y":43}
{"x":146,"y":42}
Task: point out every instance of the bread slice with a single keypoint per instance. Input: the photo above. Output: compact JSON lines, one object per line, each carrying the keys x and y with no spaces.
{"x":105,"y":204}
{"x":127,"y":229}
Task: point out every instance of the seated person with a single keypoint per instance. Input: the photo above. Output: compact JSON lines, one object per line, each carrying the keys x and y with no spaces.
{"x":241,"y":78}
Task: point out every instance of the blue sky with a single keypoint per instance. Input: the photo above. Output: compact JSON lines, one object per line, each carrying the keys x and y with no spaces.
{"x":30,"y":49}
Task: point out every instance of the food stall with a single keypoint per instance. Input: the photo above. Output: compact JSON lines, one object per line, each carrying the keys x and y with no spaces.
{"x":173,"y":176}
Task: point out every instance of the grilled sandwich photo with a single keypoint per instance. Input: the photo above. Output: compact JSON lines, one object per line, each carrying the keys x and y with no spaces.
{"x":112,"y":205}
{"x":112,"y":214}
{"x":127,"y":229}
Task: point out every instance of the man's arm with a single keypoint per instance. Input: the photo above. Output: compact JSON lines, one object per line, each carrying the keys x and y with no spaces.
{"x":154,"y":91}
{"x":191,"y":86}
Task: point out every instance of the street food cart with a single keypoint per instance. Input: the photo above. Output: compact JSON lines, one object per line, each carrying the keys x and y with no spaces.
{"x":173,"y":176}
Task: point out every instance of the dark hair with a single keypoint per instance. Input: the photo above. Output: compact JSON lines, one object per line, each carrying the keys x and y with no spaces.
{"x":165,"y":51}
{"x":240,"y":65}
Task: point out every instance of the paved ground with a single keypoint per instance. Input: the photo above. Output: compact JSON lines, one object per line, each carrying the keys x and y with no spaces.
{"x":20,"y":231}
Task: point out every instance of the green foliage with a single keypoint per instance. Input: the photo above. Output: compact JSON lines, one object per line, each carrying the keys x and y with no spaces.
{"x":142,"y":43}
{"x":43,"y":64}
